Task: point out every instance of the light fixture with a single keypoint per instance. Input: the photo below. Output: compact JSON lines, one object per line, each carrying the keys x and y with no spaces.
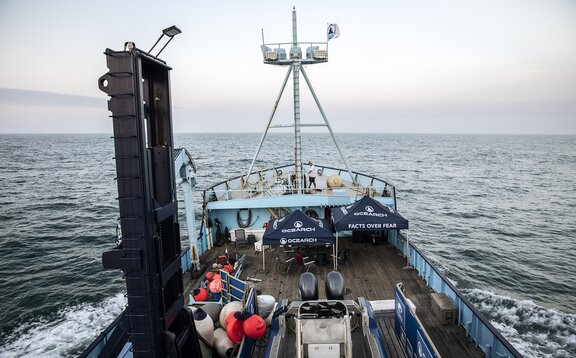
{"x":170,"y":32}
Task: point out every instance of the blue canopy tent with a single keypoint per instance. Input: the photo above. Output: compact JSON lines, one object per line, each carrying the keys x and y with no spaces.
{"x":367,"y":214}
{"x":297,"y":229}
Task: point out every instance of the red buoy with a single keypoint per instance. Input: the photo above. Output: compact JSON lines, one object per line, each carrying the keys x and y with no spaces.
{"x":254,"y":327}
{"x":234,"y":328}
{"x":200,"y":294}
{"x":209,"y":276}
{"x":215,"y":286}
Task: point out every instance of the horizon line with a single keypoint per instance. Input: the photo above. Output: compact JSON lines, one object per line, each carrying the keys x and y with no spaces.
{"x":322,"y":133}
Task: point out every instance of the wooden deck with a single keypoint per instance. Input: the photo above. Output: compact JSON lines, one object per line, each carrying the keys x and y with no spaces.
{"x":372,"y":272}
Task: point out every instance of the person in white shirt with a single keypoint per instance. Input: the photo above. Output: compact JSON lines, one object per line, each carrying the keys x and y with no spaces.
{"x":312,"y":174}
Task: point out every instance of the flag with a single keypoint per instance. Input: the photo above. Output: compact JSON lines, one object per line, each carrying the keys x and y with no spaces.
{"x":333,"y":31}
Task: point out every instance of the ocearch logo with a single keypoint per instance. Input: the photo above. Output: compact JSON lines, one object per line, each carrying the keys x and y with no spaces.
{"x":299,"y":227}
{"x":370,"y":212}
{"x":284,"y":241}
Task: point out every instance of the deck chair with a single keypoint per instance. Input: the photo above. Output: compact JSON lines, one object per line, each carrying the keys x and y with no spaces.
{"x":343,"y":256}
{"x":306,"y":265}
{"x":285,"y":263}
{"x":240,"y":237}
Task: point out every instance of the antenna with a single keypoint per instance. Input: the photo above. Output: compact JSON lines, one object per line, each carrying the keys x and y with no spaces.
{"x":276,"y":54}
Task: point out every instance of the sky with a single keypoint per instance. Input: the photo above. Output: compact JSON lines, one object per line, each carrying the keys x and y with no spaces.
{"x":416,"y":66}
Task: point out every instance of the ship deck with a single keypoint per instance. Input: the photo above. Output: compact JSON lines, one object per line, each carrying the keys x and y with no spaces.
{"x":372,"y":272}
{"x":273,"y":182}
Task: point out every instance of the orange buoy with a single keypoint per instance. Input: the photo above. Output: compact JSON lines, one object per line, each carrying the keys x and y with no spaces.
{"x":230,"y":316}
{"x":254,"y":327}
{"x":215,"y":286}
{"x":200,"y":294}
{"x":234,"y":327}
{"x":228,"y":268}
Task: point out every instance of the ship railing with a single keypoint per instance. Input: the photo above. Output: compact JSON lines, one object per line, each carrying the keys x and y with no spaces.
{"x":108,"y":336}
{"x":478,"y":328}
{"x":242,"y":187}
{"x":186,"y":259}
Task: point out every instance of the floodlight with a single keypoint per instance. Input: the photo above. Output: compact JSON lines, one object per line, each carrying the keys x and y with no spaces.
{"x":170,"y":32}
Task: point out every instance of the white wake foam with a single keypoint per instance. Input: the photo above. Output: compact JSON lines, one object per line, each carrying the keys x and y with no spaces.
{"x":73,"y":329}
{"x":533,"y":330}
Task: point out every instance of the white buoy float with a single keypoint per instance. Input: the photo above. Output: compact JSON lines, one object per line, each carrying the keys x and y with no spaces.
{"x":334,"y":181}
{"x":265,"y":304}
{"x":229,"y":307}
{"x":204,"y":325}
{"x":213,"y":310}
{"x":222,"y":343}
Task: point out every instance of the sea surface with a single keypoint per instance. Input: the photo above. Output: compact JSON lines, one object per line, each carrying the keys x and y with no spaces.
{"x":496,"y":213}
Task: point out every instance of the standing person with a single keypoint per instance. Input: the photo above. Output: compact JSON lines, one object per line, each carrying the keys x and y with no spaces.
{"x":312,"y":174}
{"x":299,"y":257}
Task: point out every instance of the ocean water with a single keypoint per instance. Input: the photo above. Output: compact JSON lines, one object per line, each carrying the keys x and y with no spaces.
{"x":496,"y":213}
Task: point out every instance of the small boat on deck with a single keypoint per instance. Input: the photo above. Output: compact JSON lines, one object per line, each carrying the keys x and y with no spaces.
{"x":283,"y":232}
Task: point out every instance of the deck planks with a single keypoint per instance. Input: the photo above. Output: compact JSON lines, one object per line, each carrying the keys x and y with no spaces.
{"x":373,"y":272}
{"x":386,"y":327}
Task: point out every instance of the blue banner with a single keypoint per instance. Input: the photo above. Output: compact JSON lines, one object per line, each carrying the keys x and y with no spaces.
{"x":410,"y":333}
{"x":422,"y":349}
{"x":248,"y":343}
{"x":251,"y":302}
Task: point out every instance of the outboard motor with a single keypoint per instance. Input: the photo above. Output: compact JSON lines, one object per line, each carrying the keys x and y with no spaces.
{"x":335,"y":287}
{"x":308,"y":286}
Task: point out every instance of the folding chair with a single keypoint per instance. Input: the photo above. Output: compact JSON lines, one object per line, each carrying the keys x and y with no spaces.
{"x":285,"y":262}
{"x":308,"y":265}
{"x":301,"y":262}
{"x":343,"y":256}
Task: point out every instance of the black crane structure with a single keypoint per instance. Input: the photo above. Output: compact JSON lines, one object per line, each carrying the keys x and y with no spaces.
{"x":156,"y":321}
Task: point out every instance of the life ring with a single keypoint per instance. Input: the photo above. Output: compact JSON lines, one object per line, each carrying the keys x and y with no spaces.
{"x":311,"y":213}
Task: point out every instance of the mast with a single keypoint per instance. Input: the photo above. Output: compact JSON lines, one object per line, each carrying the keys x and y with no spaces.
{"x":275,"y":54}
{"x":295,"y":54}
